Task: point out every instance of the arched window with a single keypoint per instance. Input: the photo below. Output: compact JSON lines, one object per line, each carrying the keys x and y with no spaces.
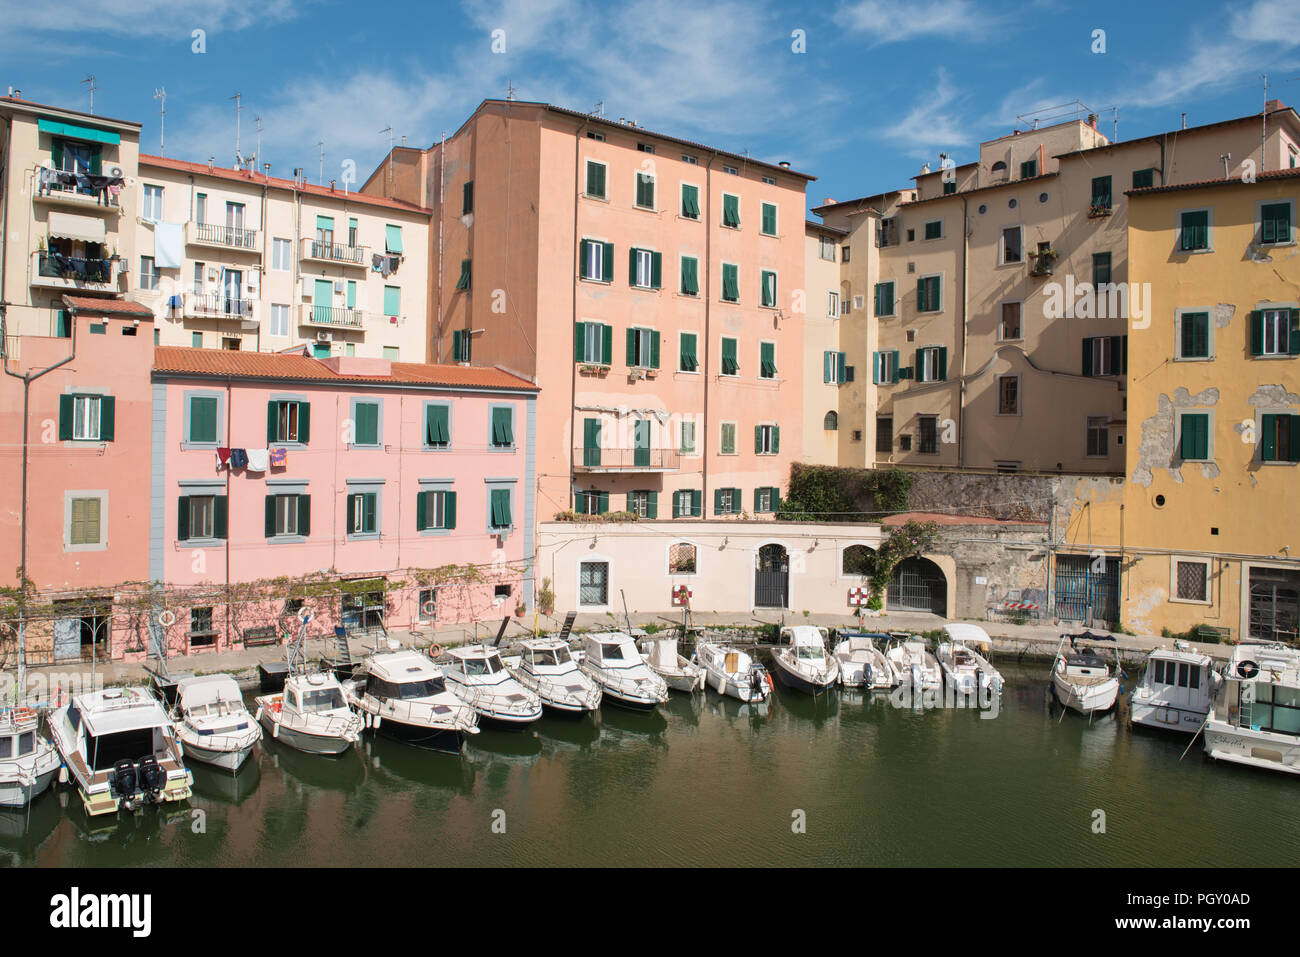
{"x":832,"y":421}
{"x":858,"y":560}
{"x":681,"y":559}
{"x":999,"y":166}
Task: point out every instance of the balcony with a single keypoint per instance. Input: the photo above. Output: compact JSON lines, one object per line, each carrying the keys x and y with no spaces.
{"x":78,"y":197}
{"x":626,"y":460}
{"x":216,"y":305}
{"x":330,"y":317}
{"x":223,"y":237}
{"x":326,"y":251}
{"x":54,"y":271}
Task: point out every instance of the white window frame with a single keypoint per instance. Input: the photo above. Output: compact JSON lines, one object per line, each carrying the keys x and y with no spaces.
{"x":823,"y":244}
{"x":1020,"y":398}
{"x":276,"y":327}
{"x":939,"y":309}
{"x":767,"y":438}
{"x":151,"y":196}
{"x":1178,"y":334}
{"x":644,"y":342}
{"x":149,"y":277}
{"x":928,"y":368}
{"x":1101,"y":348}
{"x":1174,"y":562}
{"x":1285,"y":313}
{"x":645,"y":261}
{"x":595,"y":162}
{"x":208,"y":530}
{"x":599,"y":246}
{"x":833,"y":305}
{"x":1002,"y":246}
{"x":285,"y":517}
{"x":82,"y":406}
{"x":281,"y":254}
{"x":590,"y":330}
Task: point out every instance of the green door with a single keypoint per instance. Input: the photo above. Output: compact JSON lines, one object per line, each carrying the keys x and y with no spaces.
{"x":322,"y":300}
{"x":641,"y":443}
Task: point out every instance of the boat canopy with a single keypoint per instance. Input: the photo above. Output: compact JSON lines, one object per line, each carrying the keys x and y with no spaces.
{"x":203,"y":690}
{"x":120,"y":709}
{"x":968,"y":634}
{"x":403,"y":666}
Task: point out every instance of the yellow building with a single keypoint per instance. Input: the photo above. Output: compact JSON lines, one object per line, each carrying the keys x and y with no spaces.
{"x":1209,"y":531}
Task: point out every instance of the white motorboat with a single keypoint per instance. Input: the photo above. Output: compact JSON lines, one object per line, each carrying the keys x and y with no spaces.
{"x":402,"y":694}
{"x":963,"y":659}
{"x":120,"y":749}
{"x":613,"y":662}
{"x":546,"y":668}
{"x":1081,"y":680}
{"x":311,"y":714}
{"x":479,"y":677}
{"x":679,"y":673}
{"x":28,"y":760}
{"x":732,"y":672}
{"x":1176,"y":690}
{"x":802,"y":662}
{"x":862,"y":664}
{"x":213,"y":723}
{"x":912,"y":661}
{"x":1255,"y":717}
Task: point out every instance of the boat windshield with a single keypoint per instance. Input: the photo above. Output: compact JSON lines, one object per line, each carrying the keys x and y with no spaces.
{"x":327,"y":699}
{"x":808,"y":652}
{"x":483,"y":666}
{"x":551,"y":656}
{"x":611,"y":652}
{"x":389,"y":690}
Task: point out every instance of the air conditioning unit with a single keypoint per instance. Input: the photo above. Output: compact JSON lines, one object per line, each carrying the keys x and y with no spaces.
{"x":115,"y":171}
{"x":338,"y":287}
{"x":324,"y":336}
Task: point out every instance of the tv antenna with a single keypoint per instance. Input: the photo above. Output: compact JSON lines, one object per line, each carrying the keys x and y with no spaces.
{"x":160,"y":94}
{"x":320,"y":177}
{"x":510,"y":90}
{"x":91,"y":80}
{"x":239,"y":108}
{"x":258,"y":155}
{"x":599,"y":110}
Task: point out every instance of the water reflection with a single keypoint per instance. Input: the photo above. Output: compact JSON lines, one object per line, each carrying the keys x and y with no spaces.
{"x":228,"y":787}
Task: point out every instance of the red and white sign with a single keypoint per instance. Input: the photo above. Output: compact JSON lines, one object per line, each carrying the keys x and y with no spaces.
{"x":859,"y":596}
{"x":681,"y":595}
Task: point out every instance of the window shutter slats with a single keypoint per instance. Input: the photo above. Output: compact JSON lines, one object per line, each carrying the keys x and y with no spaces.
{"x":182,"y":519}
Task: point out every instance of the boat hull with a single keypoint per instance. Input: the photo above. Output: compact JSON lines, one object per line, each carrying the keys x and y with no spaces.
{"x":445,"y":740}
{"x":231,"y":759}
{"x":14,"y":794}
{"x":628,"y":703}
{"x":306,"y":741}
{"x":1165,"y":717}
{"x":1086,"y":699}
{"x":797,"y":681}
{"x":1257,"y":749}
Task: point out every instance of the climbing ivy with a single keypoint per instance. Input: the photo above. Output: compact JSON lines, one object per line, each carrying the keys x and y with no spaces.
{"x":824,"y":493}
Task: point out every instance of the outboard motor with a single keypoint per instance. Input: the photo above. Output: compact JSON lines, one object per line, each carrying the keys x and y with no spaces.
{"x":152,"y":778}
{"x":866,"y":674}
{"x":756,"y":688}
{"x":122,"y":781}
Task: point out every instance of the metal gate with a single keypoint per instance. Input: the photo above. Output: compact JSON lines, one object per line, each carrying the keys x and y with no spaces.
{"x":918,"y":584}
{"x":363,"y":611}
{"x":772,"y":577}
{"x":1084,"y":593}
{"x":1274,"y":604}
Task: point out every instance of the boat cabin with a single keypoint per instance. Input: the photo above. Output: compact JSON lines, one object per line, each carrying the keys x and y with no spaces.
{"x":1085,"y":664}
{"x":545,"y":653}
{"x":1173,"y":669}
{"x":314,"y":694}
{"x":403,"y":675}
{"x":476,"y":662}
{"x":1263,"y":689}
{"x":615,"y":650}
{"x":17,"y":733}
{"x":117,"y":724}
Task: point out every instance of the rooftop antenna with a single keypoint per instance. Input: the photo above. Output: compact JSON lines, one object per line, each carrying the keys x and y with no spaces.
{"x":258,"y":155}
{"x":389,"y":130}
{"x":600,"y":109}
{"x":510,"y":90}
{"x":161,"y":94}
{"x":239,"y":108}
{"x":1263,"y":132}
{"x":91,"y":80}
{"x":320,"y":177}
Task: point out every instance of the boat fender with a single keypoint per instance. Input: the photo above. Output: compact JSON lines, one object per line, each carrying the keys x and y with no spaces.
{"x":63,"y":774}
{"x":365,"y":716}
{"x":275,"y":730}
{"x":770,"y":685}
{"x":378,"y":718}
{"x":258,"y":717}
{"x":1247,"y":669}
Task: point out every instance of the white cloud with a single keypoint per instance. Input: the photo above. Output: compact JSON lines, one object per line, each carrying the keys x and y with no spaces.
{"x":935,"y":122}
{"x":149,"y":18}
{"x":894,"y":21}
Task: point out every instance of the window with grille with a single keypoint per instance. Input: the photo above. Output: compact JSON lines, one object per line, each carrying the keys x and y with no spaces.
{"x":1009,"y":395}
{"x":681,"y":559}
{"x":1192,"y":584}
{"x":1098,"y":439}
{"x":593,"y":583}
{"x":928,"y":434}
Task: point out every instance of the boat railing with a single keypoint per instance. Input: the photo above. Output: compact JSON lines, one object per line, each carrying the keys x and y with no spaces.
{"x":488,"y":698}
{"x":629,"y":685}
{"x":424,"y":712}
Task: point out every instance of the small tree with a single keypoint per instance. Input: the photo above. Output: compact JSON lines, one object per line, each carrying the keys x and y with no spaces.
{"x":910,"y":538}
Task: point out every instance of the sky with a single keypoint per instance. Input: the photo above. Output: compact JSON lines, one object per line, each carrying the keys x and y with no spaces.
{"x":858,"y":93}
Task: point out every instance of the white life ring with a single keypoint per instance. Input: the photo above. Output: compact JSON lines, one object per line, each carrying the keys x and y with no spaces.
{"x":166,"y":617}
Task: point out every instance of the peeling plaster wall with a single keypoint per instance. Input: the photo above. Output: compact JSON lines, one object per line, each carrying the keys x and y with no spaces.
{"x":1158,"y":446}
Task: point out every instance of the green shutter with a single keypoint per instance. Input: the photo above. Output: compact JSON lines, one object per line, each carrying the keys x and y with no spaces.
{"x":776,"y":440}
{"x":272,"y":421}
{"x":56,"y":151}
{"x":631,"y":347}
{"x":107,"y":418}
{"x":393,"y":238}
{"x":325,"y":223}
{"x":731,"y":211}
{"x":828,"y":367}
{"x":656,"y":270}
{"x":304,"y":422}
{"x":730,"y":365}
{"x":438,"y":426}
{"x":1268,"y":443}
{"x":467,"y":198}
{"x":697,"y":505}
{"x":691,"y":202}
{"x":769,"y":219}
{"x":895,"y":371}
{"x":96,"y":160}
{"x":393,"y":300}
{"x":631,"y":266}
{"x":690,"y":276}
{"x":943,"y":363}
{"x":183,"y":518}
{"x":1194,"y":441}
{"x":1293,"y":333}
{"x":717,"y":501}
{"x":689,"y":362}
{"x":352,"y":294}
{"x":203,"y":419}
{"x":758,"y":440}
{"x":757,"y":493}
{"x":421,"y":511}
{"x":645,"y":190}
{"x":220,"y":516}
{"x":607,"y":345}
{"x":607,"y":262}
{"x":595,"y":180}
{"x":66,"y":415}
{"x":1087,"y":356}
{"x":579,"y":341}
{"x":654,"y":350}
{"x":448,"y":509}
{"x":591,"y":442}
{"x":270,"y":516}
{"x":1293,"y":445}
{"x":461,"y":283}
{"x":352,"y":513}
{"x":304,"y":515}
{"x":367,"y":424}
{"x":767,"y":360}
{"x":1275,"y":223}
{"x":730,"y":282}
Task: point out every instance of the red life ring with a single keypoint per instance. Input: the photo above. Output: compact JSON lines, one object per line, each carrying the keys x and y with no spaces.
{"x":435,"y":650}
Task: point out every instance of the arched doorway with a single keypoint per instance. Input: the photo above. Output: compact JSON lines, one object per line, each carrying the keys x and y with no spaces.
{"x":918,"y":584}
{"x":772,"y":577}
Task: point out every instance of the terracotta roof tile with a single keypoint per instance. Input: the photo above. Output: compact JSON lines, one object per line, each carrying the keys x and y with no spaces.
{"x":1277,"y":174}
{"x":114,"y":307}
{"x":261,"y":179}
{"x":176,"y":361}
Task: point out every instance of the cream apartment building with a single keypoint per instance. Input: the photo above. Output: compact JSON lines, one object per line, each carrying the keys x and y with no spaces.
{"x":993,"y":350}
{"x":826,"y":369}
{"x":652,"y":286}
{"x":225,"y":258}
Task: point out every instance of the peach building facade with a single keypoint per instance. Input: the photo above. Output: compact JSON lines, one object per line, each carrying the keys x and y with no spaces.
{"x":653,"y":287}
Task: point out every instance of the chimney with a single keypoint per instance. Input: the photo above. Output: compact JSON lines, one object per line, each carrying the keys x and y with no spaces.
{"x":331,"y":186}
{"x":1092,"y":120}
{"x":1184,"y":121}
{"x":211,"y":161}
{"x":1272,"y":106}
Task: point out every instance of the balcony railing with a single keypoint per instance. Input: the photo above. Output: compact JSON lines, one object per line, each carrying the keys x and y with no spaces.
{"x":105,"y":200}
{"x":328,"y":251}
{"x":71,"y":272}
{"x":227,"y":237}
{"x":626,"y":460}
{"x":330,"y":316}
{"x":217,"y":305}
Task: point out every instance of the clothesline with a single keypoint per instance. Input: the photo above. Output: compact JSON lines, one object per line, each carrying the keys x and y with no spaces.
{"x":252,"y":460}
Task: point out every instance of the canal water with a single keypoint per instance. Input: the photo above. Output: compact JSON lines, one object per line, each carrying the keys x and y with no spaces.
{"x":847,"y":779}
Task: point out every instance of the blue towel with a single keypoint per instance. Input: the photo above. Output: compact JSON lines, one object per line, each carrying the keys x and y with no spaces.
{"x":238,"y":458}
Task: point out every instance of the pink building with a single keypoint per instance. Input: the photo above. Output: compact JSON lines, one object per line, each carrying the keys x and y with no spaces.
{"x":353,"y":485}
{"x":83,"y":517}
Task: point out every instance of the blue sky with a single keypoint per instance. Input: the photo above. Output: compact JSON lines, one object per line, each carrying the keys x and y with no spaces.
{"x":882,"y":85}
